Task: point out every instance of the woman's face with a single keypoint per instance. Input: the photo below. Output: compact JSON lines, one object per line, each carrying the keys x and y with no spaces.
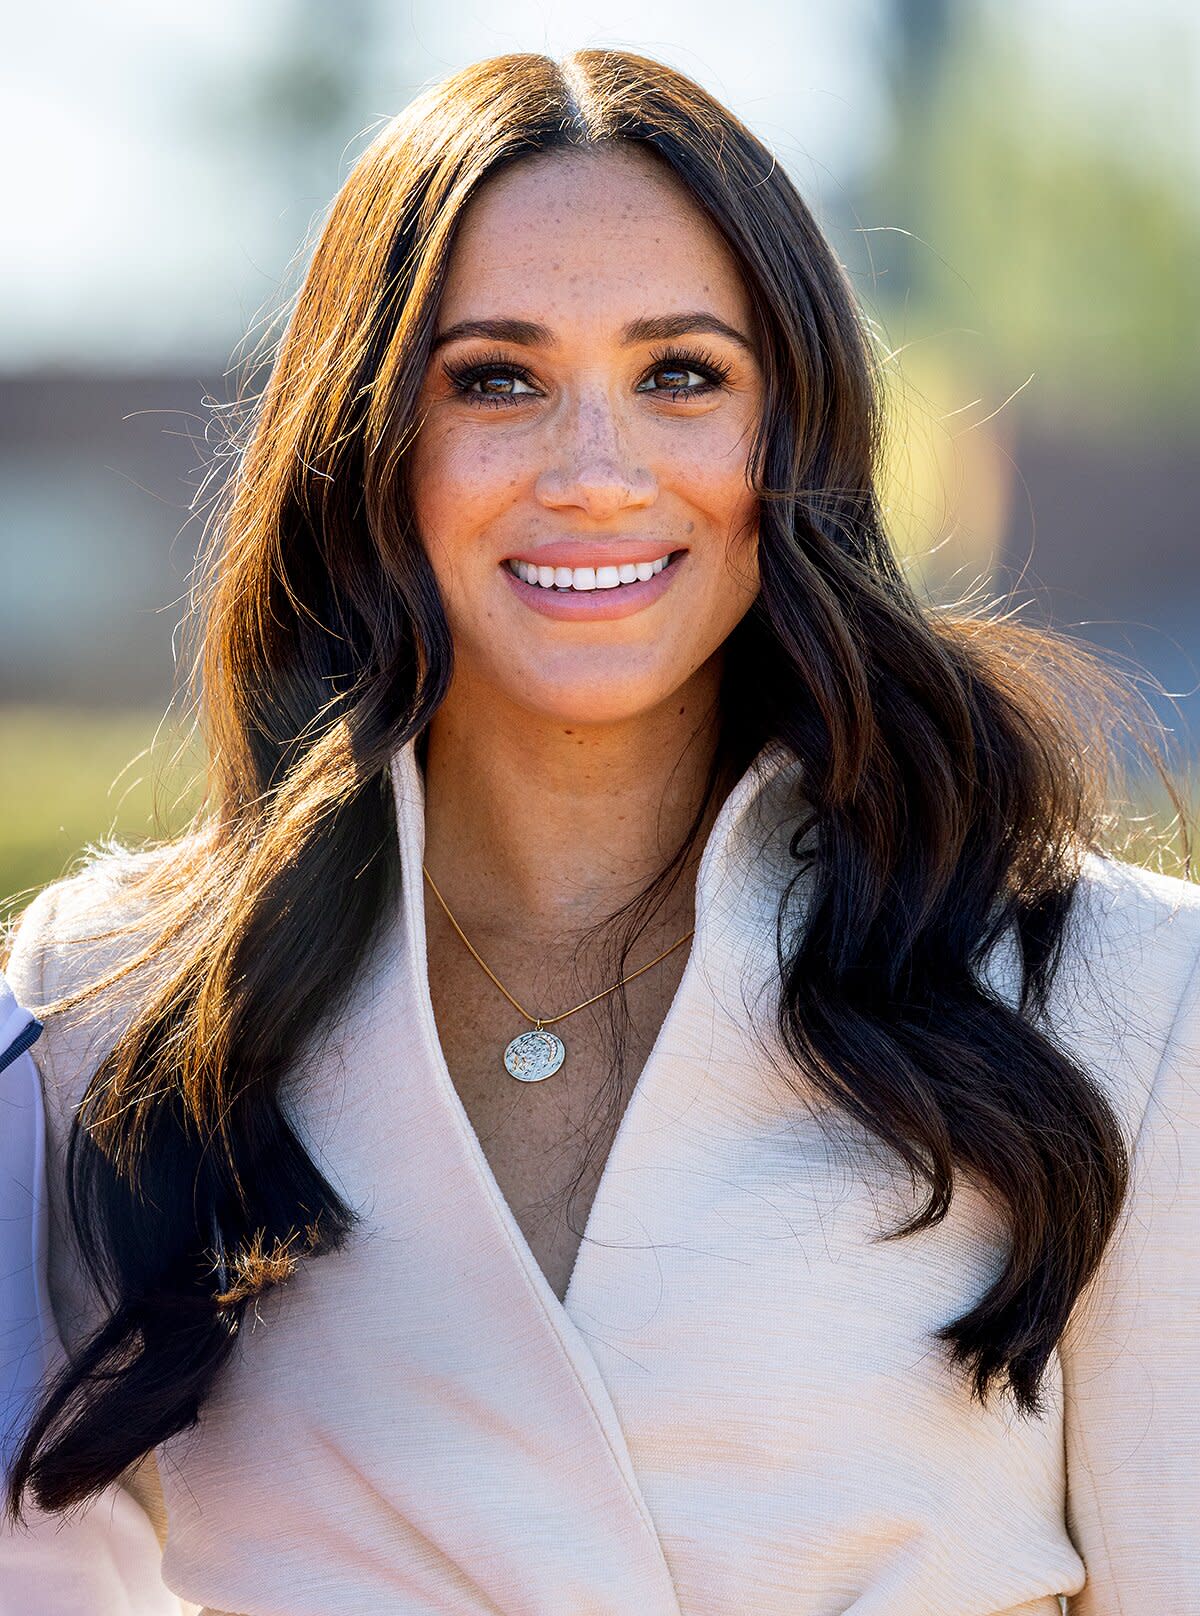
{"x":588,"y":411}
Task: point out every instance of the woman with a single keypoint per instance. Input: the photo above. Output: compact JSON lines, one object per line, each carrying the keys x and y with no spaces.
{"x":411,"y":1261}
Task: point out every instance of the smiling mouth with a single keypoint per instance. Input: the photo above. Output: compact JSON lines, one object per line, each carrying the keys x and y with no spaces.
{"x":568,"y":579}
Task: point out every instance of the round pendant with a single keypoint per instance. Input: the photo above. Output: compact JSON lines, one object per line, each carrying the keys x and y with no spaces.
{"x":534,"y":1055}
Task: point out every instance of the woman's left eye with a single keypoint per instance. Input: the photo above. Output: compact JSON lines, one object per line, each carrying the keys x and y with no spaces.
{"x":711,"y":373}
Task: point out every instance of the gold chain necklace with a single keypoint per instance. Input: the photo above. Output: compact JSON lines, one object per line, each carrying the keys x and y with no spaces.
{"x":532,"y":1056}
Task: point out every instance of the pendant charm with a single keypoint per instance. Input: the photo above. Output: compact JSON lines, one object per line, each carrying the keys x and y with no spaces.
{"x":534,"y":1055}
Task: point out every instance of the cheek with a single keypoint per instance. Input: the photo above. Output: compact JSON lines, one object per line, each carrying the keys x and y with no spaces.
{"x":709,"y":469}
{"x":730,"y":511}
{"x":715,"y":482}
{"x":460,"y":481}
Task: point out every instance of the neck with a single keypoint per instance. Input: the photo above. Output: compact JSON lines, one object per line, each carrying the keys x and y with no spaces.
{"x":544,"y":828}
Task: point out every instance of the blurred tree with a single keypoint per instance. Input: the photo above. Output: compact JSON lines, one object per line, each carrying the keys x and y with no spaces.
{"x":298,"y":108}
{"x":306,"y":94}
{"x":917,"y":45}
{"x":1050,"y":219}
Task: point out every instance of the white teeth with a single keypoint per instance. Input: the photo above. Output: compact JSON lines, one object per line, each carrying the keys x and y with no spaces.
{"x":583,"y":578}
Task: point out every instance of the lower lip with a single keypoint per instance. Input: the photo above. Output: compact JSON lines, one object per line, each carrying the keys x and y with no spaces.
{"x":598,"y":604}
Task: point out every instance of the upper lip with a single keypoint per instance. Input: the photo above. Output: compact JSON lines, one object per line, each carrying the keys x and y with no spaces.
{"x":595,"y":553}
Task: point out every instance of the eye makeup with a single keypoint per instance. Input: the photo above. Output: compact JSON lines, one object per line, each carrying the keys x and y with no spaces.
{"x":464,"y":375}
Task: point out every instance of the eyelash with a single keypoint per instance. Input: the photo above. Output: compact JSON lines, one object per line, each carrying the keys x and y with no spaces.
{"x":705,"y":364}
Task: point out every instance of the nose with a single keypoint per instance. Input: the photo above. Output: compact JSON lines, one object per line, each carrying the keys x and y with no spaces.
{"x":592,"y":467}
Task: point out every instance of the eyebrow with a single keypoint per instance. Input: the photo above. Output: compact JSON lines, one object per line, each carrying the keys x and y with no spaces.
{"x":656,"y":328}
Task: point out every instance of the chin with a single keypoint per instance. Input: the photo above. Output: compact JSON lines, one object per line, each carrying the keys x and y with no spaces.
{"x":593,"y":709}
{"x":591,"y":701}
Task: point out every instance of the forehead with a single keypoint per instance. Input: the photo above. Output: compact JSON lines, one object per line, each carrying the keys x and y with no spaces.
{"x":607,"y":233}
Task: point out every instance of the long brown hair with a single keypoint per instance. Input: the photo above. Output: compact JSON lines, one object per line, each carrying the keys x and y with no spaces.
{"x":955,"y":766}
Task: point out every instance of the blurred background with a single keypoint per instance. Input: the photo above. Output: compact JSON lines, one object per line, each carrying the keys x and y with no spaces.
{"x":1012,"y":188}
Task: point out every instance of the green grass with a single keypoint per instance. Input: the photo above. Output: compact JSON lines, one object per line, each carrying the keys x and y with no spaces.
{"x":70,"y":777}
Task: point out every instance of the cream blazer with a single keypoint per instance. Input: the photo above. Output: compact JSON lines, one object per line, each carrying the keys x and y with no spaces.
{"x":740,"y":1406}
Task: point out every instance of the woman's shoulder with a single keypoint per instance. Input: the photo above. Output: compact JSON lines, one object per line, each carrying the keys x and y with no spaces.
{"x":1129,"y":916}
{"x":76,"y":931}
{"x":49,"y":938}
{"x":1138,"y":886}
{"x":1126,"y":990}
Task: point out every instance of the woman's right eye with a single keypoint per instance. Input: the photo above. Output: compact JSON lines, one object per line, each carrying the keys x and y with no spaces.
{"x":489,"y":381}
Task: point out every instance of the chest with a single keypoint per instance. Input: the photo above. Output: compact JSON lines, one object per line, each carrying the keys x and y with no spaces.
{"x":740,"y":1352}
{"x":546,"y":1142}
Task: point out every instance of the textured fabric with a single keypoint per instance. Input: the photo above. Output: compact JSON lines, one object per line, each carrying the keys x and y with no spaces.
{"x":740,"y":1406}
